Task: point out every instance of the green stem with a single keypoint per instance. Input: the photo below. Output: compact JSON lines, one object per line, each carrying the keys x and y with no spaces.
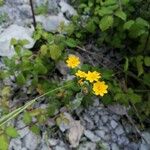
{"x":16,"y":112}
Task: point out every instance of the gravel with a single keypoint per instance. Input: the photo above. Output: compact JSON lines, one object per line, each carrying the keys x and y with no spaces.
{"x":102,"y":127}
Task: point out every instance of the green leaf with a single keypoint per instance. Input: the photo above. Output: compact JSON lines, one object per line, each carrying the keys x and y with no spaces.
{"x":13,"y":41}
{"x":52,"y":108}
{"x":5,"y":92}
{"x":124,"y":2}
{"x":107,"y":99}
{"x":20,"y":79}
{"x":71,"y":42}
{"x":35,"y":129}
{"x":142,"y":22}
{"x":126,"y":65}
{"x":136,"y":30}
{"x":91,"y":27}
{"x":43,"y":50}
{"x":23,"y":42}
{"x":106,"y":22}
{"x":76,"y":102}
{"x":4,"y":143}
{"x":139,"y":63}
{"x":134,"y":98}
{"x":55,"y":52}
{"x":27,"y":119}
{"x":105,"y":11}
{"x":128,"y":24}
{"x":12,"y":132}
{"x":40,"y":68}
{"x":121,"y":14}
{"x":147,"y":61}
{"x":109,"y":2}
{"x":146,"y":78}
{"x":106,"y":73}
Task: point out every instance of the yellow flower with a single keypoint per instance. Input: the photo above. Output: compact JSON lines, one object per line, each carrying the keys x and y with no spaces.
{"x":93,"y":76}
{"x":100,"y":88}
{"x":72,"y":61}
{"x":81,"y":74}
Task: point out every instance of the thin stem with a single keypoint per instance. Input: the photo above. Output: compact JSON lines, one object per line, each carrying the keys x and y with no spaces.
{"x":33,"y":14}
{"x":146,"y":42}
{"x":16,"y":112}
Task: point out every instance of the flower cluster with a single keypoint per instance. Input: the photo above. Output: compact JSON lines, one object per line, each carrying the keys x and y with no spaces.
{"x":99,"y":87}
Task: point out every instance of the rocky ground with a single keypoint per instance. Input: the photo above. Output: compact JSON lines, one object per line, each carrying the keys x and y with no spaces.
{"x":97,"y":127}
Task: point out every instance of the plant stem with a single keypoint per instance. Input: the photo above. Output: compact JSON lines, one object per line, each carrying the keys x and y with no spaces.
{"x":19,"y":110}
{"x":33,"y":14}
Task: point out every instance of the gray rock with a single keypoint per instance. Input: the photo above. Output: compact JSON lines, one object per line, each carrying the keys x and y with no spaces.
{"x":96,"y":119}
{"x":39,"y":2}
{"x":17,"y":32}
{"x":23,"y":130}
{"x":51,"y":23}
{"x":89,"y":124}
{"x":31,"y":141}
{"x":24,"y":148}
{"x":96,"y":103}
{"x":62,"y":67}
{"x":18,"y":2}
{"x":25,"y":11}
{"x":146,"y":136}
{"x":123,"y":140}
{"x":53,"y":7}
{"x":133,"y":146}
{"x":87,"y":146}
{"x":105,"y":146}
{"x":114,"y":138}
{"x":91,"y":136}
{"x":15,"y":144}
{"x":44,"y":147}
{"x":100,"y":133}
{"x":60,"y":148}
{"x":113,"y":124}
{"x":104,"y":118}
{"x":144,"y":147}
{"x":65,"y":7}
{"x":119,"y":130}
{"x":103,"y":128}
{"x":107,"y":137}
{"x":53,"y":142}
{"x":114,"y":146}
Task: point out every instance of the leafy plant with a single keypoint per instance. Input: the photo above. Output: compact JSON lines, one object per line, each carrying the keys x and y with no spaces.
{"x":3,"y":17}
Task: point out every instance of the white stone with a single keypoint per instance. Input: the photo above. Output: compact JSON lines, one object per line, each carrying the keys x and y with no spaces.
{"x":87,"y":146}
{"x":51,"y":23}
{"x":100,"y":133}
{"x":113,"y":124}
{"x":104,"y":118}
{"x":144,"y":147}
{"x":119,"y":130}
{"x":146,"y":136}
{"x":67,"y":8}
{"x":114,"y":146}
{"x":31,"y":141}
{"x":60,"y":148}
{"x":75,"y":133}
{"x":15,"y":144}
{"x":23,"y":130}
{"x":90,"y":135}
{"x":17,"y":32}
{"x":53,"y":142}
